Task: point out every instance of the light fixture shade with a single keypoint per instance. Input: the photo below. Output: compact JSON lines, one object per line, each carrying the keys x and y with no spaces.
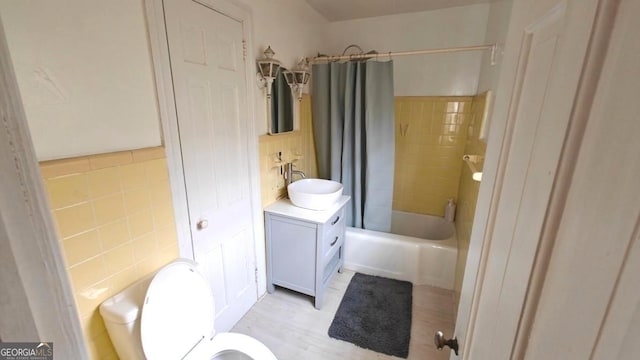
{"x":302,"y":73}
{"x":298,"y":78}
{"x":289,"y":77}
{"x":268,"y":69}
{"x":268,"y":65}
{"x":302,"y":77}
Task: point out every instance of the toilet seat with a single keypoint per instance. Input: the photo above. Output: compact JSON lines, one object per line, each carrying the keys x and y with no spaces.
{"x":178,"y":315}
{"x":230,"y":343}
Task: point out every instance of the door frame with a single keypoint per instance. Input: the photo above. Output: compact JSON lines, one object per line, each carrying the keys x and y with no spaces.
{"x":515,"y":333}
{"x":169,"y":123}
{"x":38,"y":299}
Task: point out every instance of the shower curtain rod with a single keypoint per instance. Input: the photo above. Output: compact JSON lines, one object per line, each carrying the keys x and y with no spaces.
{"x":492,"y":47}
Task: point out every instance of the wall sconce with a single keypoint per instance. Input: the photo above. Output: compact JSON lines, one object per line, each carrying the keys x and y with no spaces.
{"x":298,"y":78}
{"x":268,"y":69}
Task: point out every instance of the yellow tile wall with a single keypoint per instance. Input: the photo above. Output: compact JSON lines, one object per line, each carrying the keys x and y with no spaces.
{"x":114,"y":218}
{"x":296,"y":146}
{"x":468,"y":189}
{"x":431,"y":132}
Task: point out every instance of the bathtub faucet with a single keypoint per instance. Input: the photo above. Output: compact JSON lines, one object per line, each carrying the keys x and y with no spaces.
{"x":289,"y":172}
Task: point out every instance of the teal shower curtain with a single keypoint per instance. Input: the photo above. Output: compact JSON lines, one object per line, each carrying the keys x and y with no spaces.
{"x":353,"y":123}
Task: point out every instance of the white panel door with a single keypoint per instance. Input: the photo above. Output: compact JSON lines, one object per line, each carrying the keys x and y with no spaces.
{"x":206,"y":52}
{"x":589,"y":307}
{"x":546,"y":49}
{"x":534,"y":153}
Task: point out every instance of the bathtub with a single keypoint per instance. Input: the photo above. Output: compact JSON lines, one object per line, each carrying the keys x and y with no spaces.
{"x":421,"y":249}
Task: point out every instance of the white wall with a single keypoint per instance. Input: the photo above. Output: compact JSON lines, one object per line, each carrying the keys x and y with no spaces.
{"x":85,"y":71}
{"x":85,"y":75}
{"x":448,"y":74}
{"x":497,"y":26}
{"x":292,"y":28}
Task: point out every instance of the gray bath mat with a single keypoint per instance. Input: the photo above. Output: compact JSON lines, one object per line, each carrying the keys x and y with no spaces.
{"x":375,"y":313}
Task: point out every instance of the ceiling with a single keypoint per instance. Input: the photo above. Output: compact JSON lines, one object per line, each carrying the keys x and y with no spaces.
{"x":337,"y":10}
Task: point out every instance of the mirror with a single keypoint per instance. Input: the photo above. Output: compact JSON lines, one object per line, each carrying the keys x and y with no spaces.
{"x":281,"y":105}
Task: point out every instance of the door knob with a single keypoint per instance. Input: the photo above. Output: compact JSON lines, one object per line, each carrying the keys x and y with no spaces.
{"x":202,"y":224}
{"x":440,"y":342}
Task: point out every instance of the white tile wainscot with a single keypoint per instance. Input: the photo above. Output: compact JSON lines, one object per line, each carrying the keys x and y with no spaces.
{"x":305,"y":248}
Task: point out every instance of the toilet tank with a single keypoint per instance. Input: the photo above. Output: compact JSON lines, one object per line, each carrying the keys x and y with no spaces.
{"x":121,"y":315}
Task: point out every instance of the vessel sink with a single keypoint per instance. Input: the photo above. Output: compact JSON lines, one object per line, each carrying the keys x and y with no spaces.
{"x":314,"y":194}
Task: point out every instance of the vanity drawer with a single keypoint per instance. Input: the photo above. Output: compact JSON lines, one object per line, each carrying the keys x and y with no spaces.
{"x":337,"y":221}
{"x":333,"y":232}
{"x":333,"y":239}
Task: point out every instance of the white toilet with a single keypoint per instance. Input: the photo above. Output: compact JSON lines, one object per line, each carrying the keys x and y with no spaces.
{"x":171,"y":316}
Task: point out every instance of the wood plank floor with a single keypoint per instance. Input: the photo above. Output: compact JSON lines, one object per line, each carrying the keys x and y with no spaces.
{"x":293,"y":329}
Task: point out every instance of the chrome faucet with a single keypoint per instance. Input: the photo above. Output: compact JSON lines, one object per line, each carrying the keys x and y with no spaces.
{"x":289,"y":172}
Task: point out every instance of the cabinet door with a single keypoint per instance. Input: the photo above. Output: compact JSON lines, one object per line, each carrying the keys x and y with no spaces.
{"x":293,"y":254}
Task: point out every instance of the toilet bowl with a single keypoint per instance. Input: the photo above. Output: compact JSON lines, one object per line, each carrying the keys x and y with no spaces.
{"x":170,"y":315}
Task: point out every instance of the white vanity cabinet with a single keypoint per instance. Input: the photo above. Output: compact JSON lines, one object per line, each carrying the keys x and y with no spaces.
{"x":305,"y":248}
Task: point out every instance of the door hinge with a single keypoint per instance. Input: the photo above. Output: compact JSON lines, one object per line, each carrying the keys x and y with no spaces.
{"x":255,"y":274}
{"x":244,"y":49}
